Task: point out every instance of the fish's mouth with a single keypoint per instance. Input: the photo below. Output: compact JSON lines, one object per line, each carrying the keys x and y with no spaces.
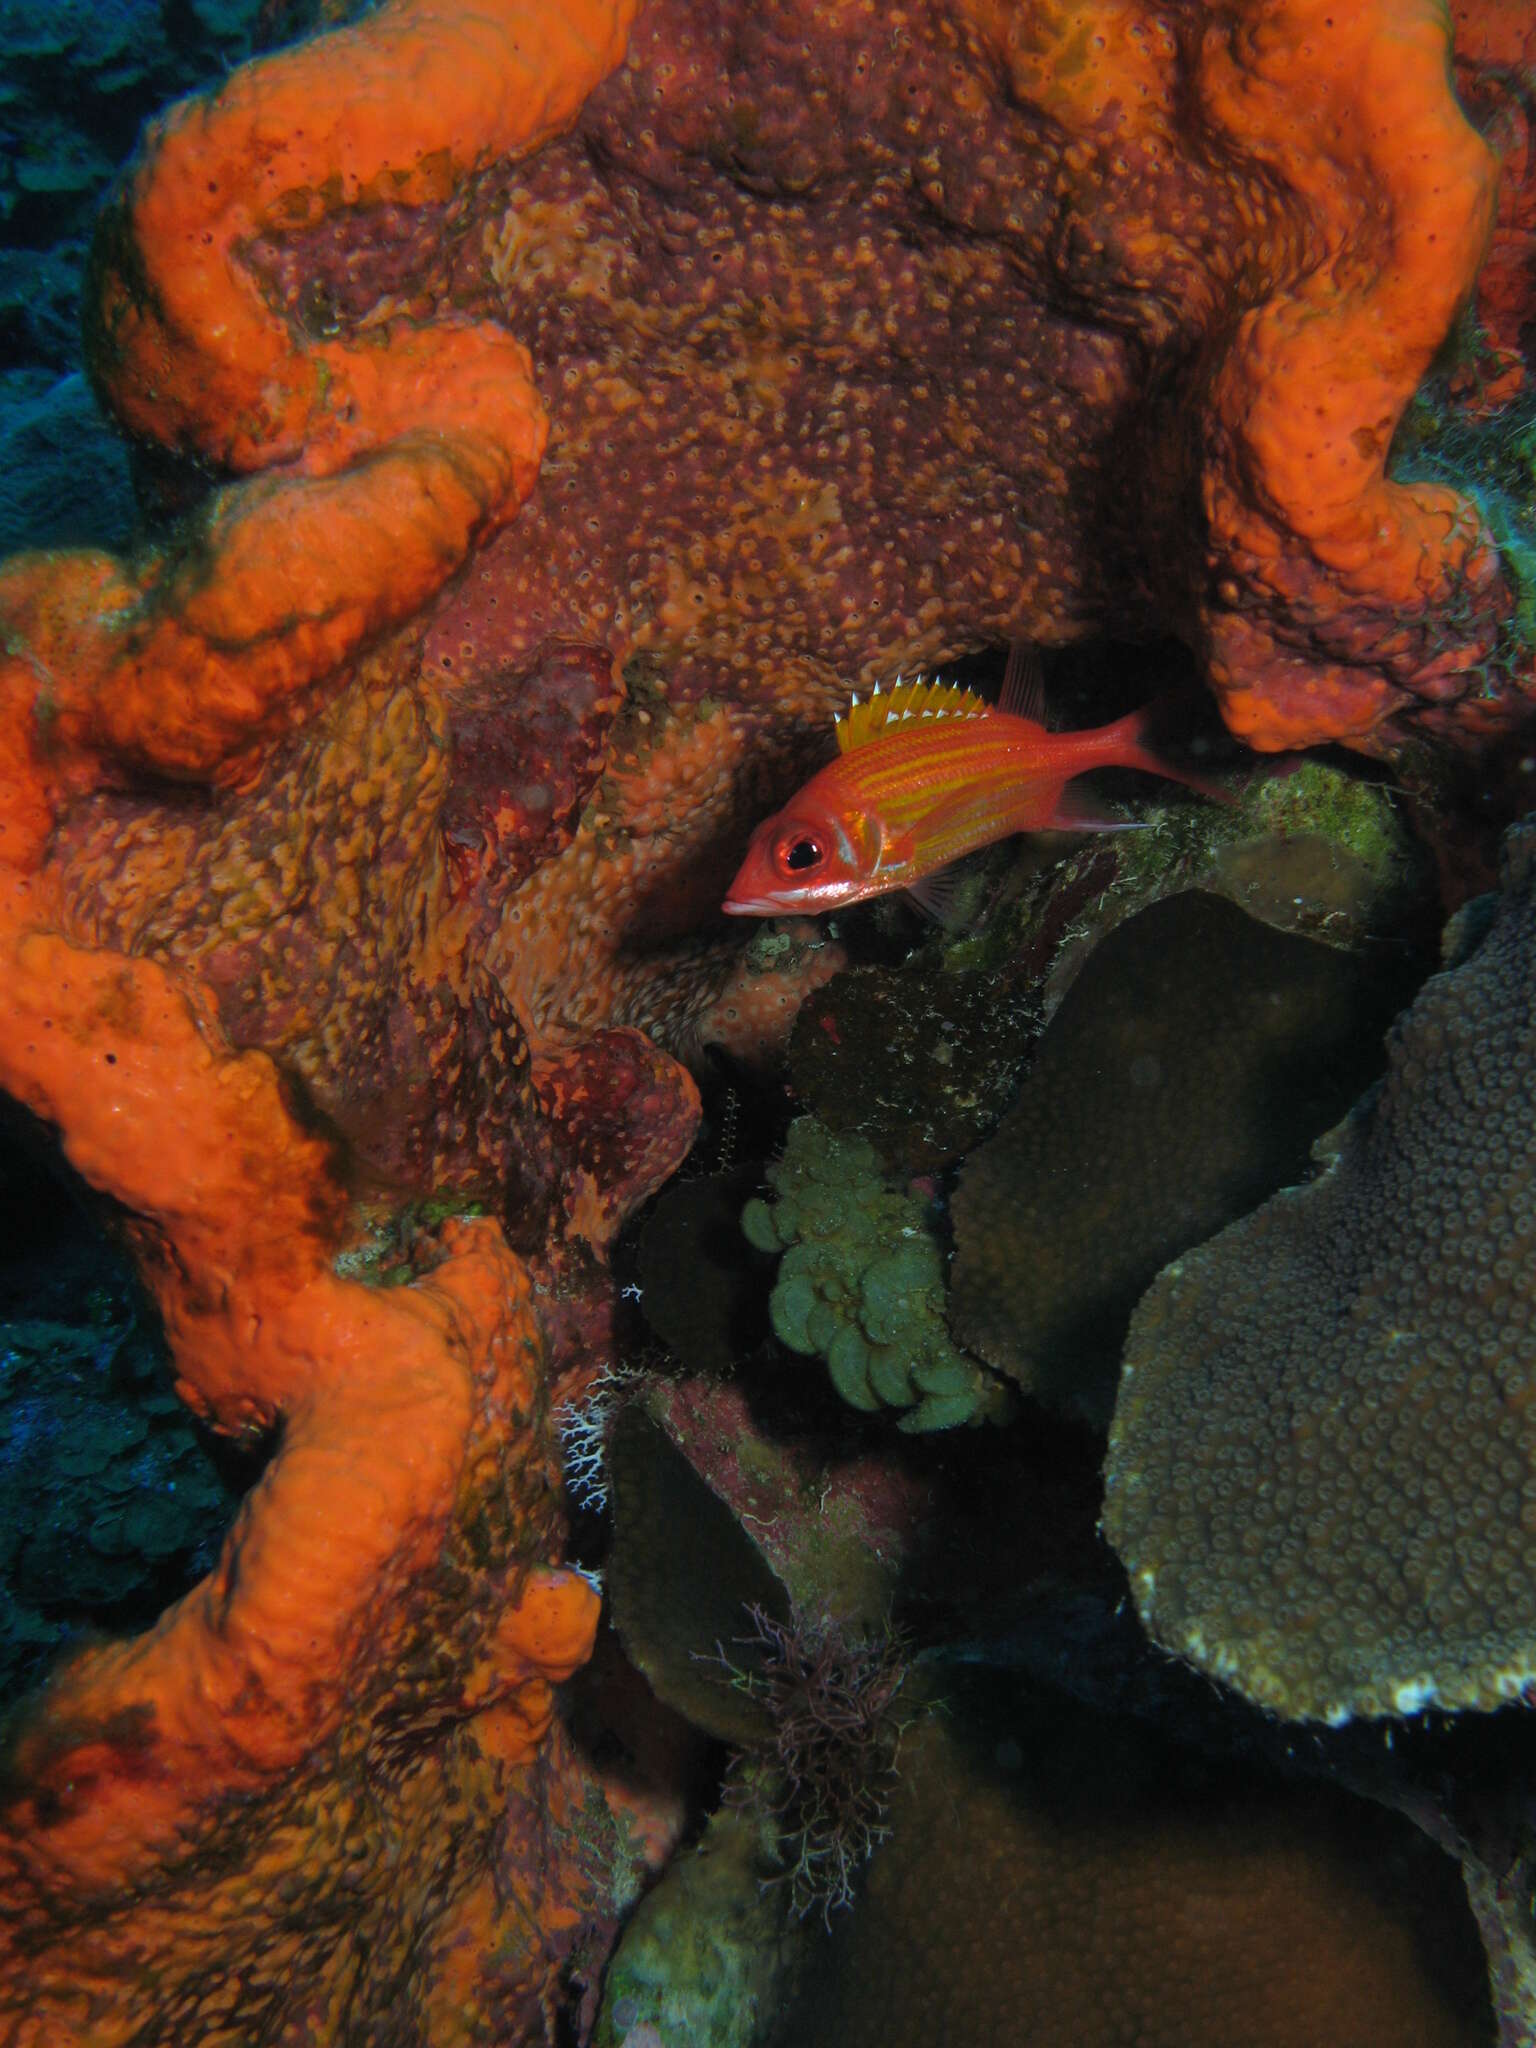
{"x":750,"y":906}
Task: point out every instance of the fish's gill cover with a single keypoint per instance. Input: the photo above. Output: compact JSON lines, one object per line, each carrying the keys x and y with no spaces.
{"x":1322,"y":1467}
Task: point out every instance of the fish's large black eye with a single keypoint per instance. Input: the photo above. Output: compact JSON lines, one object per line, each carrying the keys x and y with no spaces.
{"x":799,"y":854}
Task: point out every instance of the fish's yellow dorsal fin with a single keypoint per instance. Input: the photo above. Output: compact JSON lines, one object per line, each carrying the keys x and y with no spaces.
{"x":905,"y":704}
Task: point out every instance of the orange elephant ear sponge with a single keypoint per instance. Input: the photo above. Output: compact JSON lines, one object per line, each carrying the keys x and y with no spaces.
{"x":389,"y":1577}
{"x":322,"y":1793}
{"x":1322,"y":1467}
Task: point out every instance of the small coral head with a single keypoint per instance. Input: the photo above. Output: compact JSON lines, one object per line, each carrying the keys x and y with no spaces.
{"x":818,"y":854}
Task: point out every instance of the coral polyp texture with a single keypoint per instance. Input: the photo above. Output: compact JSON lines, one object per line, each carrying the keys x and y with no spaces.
{"x":1322,"y":1473}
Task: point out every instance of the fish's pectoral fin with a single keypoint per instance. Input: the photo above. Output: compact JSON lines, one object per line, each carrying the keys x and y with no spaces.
{"x":953,"y":895}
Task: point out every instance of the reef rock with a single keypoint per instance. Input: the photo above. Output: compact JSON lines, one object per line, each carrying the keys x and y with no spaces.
{"x":1183,"y":1078}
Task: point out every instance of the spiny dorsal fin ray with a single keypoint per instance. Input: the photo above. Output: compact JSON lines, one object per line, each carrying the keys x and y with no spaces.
{"x":906,"y":704}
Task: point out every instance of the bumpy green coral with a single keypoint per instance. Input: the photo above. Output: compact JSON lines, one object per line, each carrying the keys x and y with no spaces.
{"x":860,"y":1284}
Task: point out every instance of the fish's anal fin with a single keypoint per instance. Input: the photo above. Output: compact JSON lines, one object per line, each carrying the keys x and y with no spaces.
{"x":1074,"y":812}
{"x":1023,"y":691}
{"x":905,"y":704}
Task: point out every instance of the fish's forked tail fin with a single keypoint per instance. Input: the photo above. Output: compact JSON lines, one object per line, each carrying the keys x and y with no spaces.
{"x":1130,"y":743}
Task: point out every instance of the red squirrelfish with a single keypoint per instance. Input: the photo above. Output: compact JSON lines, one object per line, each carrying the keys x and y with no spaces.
{"x":927,"y":773}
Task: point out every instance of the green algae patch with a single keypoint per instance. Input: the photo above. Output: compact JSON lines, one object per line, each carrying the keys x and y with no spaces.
{"x":1309,"y":847}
